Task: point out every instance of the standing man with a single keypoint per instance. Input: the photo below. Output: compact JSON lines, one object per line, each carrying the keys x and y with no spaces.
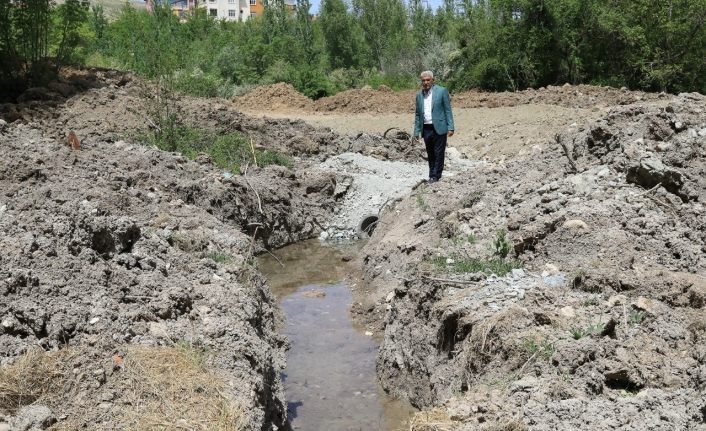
{"x":434,"y":122}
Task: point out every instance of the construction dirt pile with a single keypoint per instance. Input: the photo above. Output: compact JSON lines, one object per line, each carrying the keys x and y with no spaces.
{"x":272,"y":98}
{"x":594,"y":317}
{"x":366,"y":100}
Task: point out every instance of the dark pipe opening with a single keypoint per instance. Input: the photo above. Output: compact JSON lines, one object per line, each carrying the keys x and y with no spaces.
{"x":369,"y":224}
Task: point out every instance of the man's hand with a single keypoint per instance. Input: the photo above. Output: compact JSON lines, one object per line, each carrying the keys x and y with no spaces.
{"x":418,"y":138}
{"x":451,"y":133}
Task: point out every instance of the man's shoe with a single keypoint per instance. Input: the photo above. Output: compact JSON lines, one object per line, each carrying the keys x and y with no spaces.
{"x":432,"y":180}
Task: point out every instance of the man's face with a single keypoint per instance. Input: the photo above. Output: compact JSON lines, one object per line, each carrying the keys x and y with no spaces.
{"x":427,"y":82}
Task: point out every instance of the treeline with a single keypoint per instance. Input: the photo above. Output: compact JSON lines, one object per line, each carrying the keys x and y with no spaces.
{"x":653,"y":45}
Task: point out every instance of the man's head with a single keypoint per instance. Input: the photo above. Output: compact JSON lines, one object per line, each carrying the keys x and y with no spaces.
{"x":427,"y":79}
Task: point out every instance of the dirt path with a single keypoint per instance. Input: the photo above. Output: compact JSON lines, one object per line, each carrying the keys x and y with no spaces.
{"x":492,"y":133}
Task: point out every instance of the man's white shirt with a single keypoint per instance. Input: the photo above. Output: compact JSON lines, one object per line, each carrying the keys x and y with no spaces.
{"x":427,"y":107}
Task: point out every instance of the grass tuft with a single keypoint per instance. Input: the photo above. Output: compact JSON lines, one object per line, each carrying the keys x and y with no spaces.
{"x":228,"y":151}
{"x":495,"y":265}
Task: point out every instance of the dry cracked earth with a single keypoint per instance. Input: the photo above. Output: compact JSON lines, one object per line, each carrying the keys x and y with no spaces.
{"x":559,"y":283}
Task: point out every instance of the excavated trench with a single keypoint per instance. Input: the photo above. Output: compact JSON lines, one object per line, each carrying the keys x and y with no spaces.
{"x":330,"y":380}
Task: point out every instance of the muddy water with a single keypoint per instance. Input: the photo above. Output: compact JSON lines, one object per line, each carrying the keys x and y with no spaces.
{"x":330,"y":377}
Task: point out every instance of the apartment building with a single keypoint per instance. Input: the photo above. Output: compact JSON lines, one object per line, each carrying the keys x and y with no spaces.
{"x":230,"y":10}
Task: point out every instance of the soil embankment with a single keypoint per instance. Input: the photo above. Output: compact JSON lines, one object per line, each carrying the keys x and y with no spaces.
{"x":603,"y":314}
{"x":115,"y":253}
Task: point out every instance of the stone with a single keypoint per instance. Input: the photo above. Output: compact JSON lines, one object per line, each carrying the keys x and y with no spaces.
{"x":550,"y":269}
{"x":518,"y":273}
{"x":651,"y":172}
{"x":568,"y":311}
{"x":390,"y":296}
{"x":94,"y":320}
{"x":617,"y":300}
{"x":525,"y":384}
{"x":33,"y":417}
{"x":8,"y":323}
{"x":575,"y":224}
{"x":644,"y":304}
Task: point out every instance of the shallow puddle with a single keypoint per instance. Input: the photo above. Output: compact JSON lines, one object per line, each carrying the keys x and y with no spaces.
{"x":330,"y":378}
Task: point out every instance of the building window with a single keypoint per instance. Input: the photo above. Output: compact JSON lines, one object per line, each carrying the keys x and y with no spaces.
{"x":213,"y":12}
{"x":253,"y":14}
{"x":231,"y":12}
{"x":253,"y":2}
{"x":231,"y":1}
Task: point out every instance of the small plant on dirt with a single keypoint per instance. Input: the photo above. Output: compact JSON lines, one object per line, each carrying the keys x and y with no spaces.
{"x":501,"y":246}
{"x":460,"y":239}
{"x":542,"y":349}
{"x":422,"y":203}
{"x":591,"y":329}
{"x":589,"y":302}
{"x":497,"y":266}
{"x":196,"y":353}
{"x":219,"y":257}
{"x":471,"y":199}
{"x":636,"y":317}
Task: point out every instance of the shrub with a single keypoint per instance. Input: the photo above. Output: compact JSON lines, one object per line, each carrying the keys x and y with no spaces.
{"x":497,"y":266}
{"x":197,"y":83}
{"x":501,"y":246}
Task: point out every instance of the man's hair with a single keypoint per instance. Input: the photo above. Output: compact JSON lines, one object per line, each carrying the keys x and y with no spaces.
{"x":428,"y":73}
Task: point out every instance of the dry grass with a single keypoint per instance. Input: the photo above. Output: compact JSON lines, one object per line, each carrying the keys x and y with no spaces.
{"x":439,"y":420}
{"x":169,"y":388}
{"x":157,"y":388}
{"x":32,"y":377}
{"x":432,"y":420}
{"x":487,"y":340}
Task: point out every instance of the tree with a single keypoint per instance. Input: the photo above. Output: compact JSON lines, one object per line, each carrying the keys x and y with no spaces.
{"x":383,"y":23}
{"x":340,"y":35}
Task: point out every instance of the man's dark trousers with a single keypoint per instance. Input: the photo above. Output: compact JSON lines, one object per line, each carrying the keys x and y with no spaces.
{"x":436,"y":147}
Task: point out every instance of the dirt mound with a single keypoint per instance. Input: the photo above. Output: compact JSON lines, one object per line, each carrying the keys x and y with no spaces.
{"x":284,"y":98}
{"x":607,"y":309}
{"x":280,"y":96}
{"x":367,"y":101}
{"x":569,"y":96}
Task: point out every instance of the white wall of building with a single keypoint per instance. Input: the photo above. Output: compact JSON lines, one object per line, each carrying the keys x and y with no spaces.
{"x":231,"y":10}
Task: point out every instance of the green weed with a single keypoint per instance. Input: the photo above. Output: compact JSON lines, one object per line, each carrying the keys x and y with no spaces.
{"x":460,"y":239}
{"x":501,"y":246}
{"x":542,"y":349}
{"x":471,"y":200}
{"x":636,"y":317}
{"x":497,"y":266}
{"x":422,"y":203}
{"x":219,"y":257}
{"x":588,"y":302}
{"x":228,"y":151}
{"x":591,"y":329}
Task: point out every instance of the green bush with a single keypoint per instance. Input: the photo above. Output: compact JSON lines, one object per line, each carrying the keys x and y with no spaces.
{"x":228,"y":151}
{"x":198,"y":83}
{"x":496,"y":265}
